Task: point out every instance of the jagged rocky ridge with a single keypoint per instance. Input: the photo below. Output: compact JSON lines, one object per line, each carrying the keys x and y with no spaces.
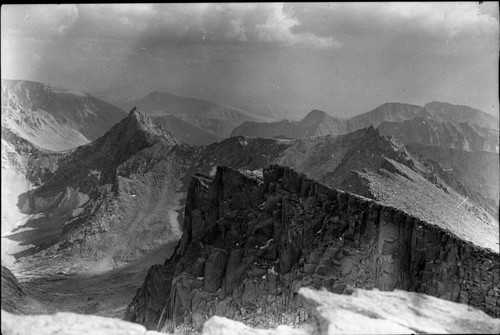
{"x":250,"y":242}
{"x":133,"y":183}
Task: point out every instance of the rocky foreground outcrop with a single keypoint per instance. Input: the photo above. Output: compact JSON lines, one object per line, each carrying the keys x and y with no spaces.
{"x":363,"y":312}
{"x":12,"y":293}
{"x":250,"y":242}
{"x":68,"y":324}
{"x":372,"y":312}
{"x":15,"y":298}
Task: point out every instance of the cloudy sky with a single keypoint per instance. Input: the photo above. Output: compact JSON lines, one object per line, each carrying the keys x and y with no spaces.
{"x":271,"y":58}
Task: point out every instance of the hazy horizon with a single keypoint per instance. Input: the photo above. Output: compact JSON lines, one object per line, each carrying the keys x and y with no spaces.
{"x":280,"y":60}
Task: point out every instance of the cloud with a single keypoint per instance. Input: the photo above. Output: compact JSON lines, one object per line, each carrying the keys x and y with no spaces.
{"x":435,"y":20}
{"x":316,"y":25}
{"x":443,"y":50}
{"x":443,"y":19}
{"x":266,"y":23}
{"x":43,"y":21}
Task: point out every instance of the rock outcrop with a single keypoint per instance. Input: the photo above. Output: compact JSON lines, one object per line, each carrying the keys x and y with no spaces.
{"x":219,"y":325}
{"x":362,"y":312}
{"x":373,"y":312}
{"x":15,"y":298}
{"x":69,"y":324}
{"x":250,"y":242}
{"x":12,"y":293}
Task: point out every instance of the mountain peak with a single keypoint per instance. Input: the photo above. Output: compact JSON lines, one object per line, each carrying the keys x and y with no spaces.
{"x":137,"y":123}
{"x":316,"y":113}
{"x":139,"y":120}
{"x":314,"y":116}
{"x":138,"y":115}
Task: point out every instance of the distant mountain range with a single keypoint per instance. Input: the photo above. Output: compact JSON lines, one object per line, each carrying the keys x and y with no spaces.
{"x":53,"y":118}
{"x":127,"y":196}
{"x":436,"y":123}
{"x":59,"y":119}
{"x":218,"y":120}
{"x":72,"y":187}
{"x":95,"y":202}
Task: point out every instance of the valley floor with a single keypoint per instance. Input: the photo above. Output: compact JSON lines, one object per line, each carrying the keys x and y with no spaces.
{"x":106,"y":293}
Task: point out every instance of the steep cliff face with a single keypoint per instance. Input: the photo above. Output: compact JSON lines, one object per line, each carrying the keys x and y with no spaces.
{"x":250,"y":242}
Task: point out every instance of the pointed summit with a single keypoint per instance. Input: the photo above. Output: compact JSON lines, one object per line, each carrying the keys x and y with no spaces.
{"x":132,"y":134}
{"x":139,"y":121}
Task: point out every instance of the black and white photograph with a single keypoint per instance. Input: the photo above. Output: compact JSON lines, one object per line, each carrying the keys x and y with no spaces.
{"x":258,"y":168}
